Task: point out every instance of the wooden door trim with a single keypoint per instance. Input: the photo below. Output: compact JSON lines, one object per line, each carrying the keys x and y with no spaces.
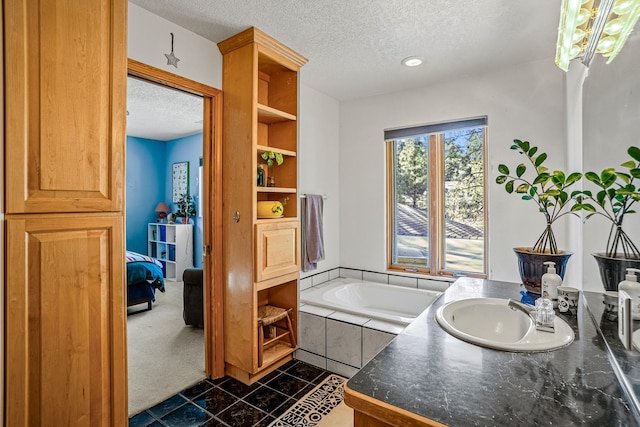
{"x":165,"y":78}
{"x":212,"y":174}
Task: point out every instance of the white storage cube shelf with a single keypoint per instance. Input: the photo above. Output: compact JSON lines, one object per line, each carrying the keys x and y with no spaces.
{"x":172,"y":245}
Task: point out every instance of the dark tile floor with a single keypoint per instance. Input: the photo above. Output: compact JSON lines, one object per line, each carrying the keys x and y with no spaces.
{"x":228,"y":402}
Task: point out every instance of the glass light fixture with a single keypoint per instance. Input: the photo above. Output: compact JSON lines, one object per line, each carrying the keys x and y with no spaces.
{"x":605,"y":45}
{"x":614,"y":26}
{"x":628,"y":12}
{"x":588,"y":27}
{"x":411,"y":61}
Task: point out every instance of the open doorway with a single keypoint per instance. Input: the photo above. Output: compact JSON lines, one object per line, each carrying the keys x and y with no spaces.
{"x":164,"y":152}
{"x":170,"y":352}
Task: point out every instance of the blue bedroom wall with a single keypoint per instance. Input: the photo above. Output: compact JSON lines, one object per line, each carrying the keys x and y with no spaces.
{"x":187,"y":149}
{"x":149,"y":170}
{"x":146,"y":186}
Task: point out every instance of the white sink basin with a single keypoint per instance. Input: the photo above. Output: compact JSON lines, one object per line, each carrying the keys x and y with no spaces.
{"x":491,"y":322}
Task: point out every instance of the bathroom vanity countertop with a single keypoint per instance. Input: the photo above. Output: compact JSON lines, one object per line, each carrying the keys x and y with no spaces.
{"x":427,"y":375}
{"x":626,"y":361}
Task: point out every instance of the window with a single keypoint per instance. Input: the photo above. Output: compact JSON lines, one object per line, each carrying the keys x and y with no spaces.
{"x":436,"y":183}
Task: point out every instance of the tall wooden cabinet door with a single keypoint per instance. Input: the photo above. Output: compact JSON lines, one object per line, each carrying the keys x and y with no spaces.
{"x":65,"y":321}
{"x":65,"y":91}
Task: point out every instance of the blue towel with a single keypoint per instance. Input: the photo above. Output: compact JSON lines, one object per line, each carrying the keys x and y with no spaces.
{"x":312,"y":231}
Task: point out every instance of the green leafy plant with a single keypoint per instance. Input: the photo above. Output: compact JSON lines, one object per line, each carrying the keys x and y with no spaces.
{"x":547,"y":190}
{"x":614,"y":201}
{"x":186,"y":206}
{"x":270,"y":156}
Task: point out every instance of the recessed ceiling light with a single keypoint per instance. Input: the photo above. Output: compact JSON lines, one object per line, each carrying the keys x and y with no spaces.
{"x":411,"y":61}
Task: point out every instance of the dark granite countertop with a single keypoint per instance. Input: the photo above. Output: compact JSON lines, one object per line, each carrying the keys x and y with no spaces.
{"x":627,"y":362}
{"x":434,"y":375}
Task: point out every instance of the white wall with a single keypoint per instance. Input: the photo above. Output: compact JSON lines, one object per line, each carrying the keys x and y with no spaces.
{"x":318,"y":165}
{"x":610,"y":126}
{"x":524,"y":102}
{"x":150,"y":39}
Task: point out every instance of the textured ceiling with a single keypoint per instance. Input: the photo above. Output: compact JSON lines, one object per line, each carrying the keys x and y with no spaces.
{"x":160,"y":113}
{"x":355,"y":47}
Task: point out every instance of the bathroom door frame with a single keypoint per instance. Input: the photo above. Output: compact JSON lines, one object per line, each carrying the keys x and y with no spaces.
{"x":212,"y":205}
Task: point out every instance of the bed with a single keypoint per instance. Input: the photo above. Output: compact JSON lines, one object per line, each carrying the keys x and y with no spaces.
{"x":144,"y":276}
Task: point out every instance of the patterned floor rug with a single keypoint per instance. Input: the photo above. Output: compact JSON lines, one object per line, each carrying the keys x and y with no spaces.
{"x":317,"y":405}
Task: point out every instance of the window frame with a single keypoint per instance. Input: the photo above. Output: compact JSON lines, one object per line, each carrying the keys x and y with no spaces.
{"x":437,"y":238}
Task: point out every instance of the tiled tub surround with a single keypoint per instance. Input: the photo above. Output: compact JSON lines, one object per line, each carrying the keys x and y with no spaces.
{"x":408,"y":280}
{"x":427,"y":374}
{"x":340,"y":342}
{"x":336,"y":338}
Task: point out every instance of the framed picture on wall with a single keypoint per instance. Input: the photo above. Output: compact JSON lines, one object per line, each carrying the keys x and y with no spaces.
{"x":180,"y":179}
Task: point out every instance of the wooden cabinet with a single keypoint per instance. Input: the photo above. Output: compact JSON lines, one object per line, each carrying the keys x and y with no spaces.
{"x":370,"y":412}
{"x":261,"y":256}
{"x":276,"y":249}
{"x":65,"y":128}
{"x":172,"y":245}
{"x":66,"y":348}
{"x":65,"y":68}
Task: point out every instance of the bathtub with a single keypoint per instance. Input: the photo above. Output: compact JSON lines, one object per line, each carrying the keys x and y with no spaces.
{"x":374,"y":300}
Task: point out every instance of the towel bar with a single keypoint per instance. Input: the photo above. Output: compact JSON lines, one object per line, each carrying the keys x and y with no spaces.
{"x":304,"y":196}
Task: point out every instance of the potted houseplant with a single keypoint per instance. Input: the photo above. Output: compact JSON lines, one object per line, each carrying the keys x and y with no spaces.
{"x":186,"y":207}
{"x":547,"y":191}
{"x":614,"y":200}
{"x":271,"y":156}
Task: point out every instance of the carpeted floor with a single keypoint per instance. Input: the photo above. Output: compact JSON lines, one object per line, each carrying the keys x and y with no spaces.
{"x":165,"y":356}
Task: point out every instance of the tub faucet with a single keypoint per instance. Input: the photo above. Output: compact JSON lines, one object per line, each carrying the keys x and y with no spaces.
{"x":544,"y":321}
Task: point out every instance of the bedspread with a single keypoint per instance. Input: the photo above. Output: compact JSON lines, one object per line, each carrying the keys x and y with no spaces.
{"x":142,"y":268}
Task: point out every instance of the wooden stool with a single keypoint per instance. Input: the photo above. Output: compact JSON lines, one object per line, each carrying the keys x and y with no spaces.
{"x":269,"y":315}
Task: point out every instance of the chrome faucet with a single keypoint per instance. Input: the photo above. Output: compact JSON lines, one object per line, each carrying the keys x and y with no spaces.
{"x":525,"y":308}
{"x":532,"y":313}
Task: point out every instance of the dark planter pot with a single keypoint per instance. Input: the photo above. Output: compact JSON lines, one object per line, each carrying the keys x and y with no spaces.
{"x":531,"y":266}
{"x":613,"y":269}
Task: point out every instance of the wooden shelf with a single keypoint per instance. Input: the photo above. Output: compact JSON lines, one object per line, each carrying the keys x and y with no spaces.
{"x":271,"y":283}
{"x":270,"y":220}
{"x":270,"y":115}
{"x":249,"y":378}
{"x":275,"y":352}
{"x":171,"y":244}
{"x":275,"y":190}
{"x":263,"y":148}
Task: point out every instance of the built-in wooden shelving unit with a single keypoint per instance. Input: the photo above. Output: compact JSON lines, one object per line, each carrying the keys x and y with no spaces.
{"x":262,"y":256}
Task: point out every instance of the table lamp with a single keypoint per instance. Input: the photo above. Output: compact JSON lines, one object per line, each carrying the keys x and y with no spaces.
{"x":162,"y":210}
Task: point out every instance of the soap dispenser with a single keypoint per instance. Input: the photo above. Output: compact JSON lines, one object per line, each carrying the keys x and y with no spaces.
{"x":631,"y":286}
{"x":550,"y":283}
